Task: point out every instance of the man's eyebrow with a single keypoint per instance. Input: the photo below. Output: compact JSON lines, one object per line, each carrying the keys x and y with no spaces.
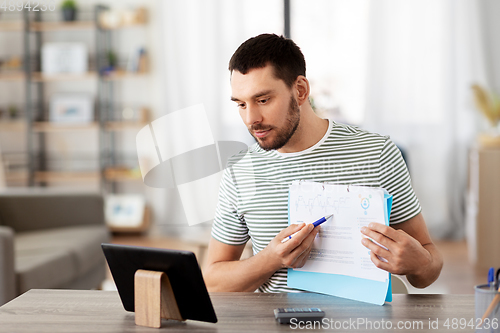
{"x":257,"y":95}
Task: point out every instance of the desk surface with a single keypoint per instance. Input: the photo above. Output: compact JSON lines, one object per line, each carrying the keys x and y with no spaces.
{"x":101,"y":311}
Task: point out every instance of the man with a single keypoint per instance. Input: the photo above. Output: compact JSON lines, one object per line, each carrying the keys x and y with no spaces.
{"x":271,"y":91}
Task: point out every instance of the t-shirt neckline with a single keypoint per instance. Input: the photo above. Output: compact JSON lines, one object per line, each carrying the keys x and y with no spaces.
{"x":305,"y":151}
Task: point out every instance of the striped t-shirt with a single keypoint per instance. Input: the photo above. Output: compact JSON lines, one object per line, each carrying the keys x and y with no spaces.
{"x":253,"y":195}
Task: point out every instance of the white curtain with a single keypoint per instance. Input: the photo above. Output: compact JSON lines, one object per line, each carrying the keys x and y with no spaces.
{"x":333,"y":37}
{"x":423,"y":57}
{"x":198,"y":39}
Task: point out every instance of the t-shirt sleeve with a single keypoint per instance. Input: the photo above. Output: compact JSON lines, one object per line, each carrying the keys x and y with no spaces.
{"x":395,"y":178}
{"x":229,"y":227}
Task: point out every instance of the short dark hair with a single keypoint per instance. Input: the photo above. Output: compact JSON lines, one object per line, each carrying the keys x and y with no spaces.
{"x":280,"y":52}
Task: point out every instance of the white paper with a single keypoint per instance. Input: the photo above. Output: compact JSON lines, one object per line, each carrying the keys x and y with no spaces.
{"x":337,"y":249}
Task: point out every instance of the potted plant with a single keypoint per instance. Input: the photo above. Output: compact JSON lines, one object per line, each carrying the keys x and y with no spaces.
{"x":69,"y":10}
{"x":13,"y":111}
{"x":112,"y":60}
{"x":489,"y":104}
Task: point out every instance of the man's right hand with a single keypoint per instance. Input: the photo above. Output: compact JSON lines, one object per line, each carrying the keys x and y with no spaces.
{"x":294,"y":252}
{"x":226,"y":272}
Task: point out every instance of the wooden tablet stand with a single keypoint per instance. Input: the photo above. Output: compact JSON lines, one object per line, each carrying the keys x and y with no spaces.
{"x":154,"y":299}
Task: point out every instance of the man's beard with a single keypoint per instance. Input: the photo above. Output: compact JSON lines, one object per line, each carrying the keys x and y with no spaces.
{"x":284,"y":134}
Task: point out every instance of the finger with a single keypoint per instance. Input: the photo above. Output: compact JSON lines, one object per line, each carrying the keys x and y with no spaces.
{"x":306,"y":243}
{"x":302,"y":259}
{"x":298,"y":238}
{"x":376,"y":236}
{"x":385,"y":230}
{"x":374,"y":248}
{"x":379,"y":263}
{"x":292,"y":228}
{"x":304,"y":255}
{"x":297,"y":261}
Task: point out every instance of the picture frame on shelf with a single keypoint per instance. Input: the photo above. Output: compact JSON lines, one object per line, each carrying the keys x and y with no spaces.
{"x":64,"y":58}
{"x":126,"y":213}
{"x":113,"y":19}
{"x":70,"y":108}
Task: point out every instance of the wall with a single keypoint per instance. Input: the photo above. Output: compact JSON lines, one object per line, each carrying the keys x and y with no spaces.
{"x":490,"y":9}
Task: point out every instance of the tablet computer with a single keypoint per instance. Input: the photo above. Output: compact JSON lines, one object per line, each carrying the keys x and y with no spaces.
{"x":181,"y":268}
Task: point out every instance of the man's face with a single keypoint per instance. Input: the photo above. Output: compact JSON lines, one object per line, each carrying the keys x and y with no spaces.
{"x":266,"y":105}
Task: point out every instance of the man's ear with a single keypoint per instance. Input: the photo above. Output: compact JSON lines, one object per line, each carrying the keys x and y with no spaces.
{"x":302,"y":89}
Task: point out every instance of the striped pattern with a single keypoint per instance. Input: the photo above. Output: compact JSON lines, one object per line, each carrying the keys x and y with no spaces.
{"x":253,"y":195}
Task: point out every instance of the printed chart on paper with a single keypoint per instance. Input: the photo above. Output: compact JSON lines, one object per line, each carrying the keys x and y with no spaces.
{"x":337,"y":249}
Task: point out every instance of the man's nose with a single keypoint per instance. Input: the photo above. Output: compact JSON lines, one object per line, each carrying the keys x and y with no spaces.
{"x":253,"y":115}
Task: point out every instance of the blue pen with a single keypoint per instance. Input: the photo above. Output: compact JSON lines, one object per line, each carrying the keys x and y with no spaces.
{"x":315,"y":224}
{"x":491,"y":278}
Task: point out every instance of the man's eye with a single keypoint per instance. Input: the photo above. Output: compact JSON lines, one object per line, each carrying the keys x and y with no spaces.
{"x":241,"y":105}
{"x":263,"y":101}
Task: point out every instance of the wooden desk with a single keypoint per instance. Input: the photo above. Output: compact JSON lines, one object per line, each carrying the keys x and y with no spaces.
{"x":101,"y":311}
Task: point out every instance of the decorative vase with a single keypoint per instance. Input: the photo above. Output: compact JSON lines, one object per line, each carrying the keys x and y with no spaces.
{"x":69,"y":14}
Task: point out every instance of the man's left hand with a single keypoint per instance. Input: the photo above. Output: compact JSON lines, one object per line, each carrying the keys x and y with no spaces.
{"x":405,"y":255}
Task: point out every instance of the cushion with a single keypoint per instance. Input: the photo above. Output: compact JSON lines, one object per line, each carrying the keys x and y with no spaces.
{"x":80,"y":245}
{"x":43,"y":269}
{"x":36,"y":209}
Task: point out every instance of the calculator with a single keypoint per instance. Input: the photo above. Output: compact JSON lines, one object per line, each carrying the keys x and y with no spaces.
{"x":285,"y":315}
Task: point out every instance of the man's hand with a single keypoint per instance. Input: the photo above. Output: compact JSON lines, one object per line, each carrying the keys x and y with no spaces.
{"x":410,"y":250}
{"x":294,"y":252}
{"x":405,"y":255}
{"x":226,"y":272}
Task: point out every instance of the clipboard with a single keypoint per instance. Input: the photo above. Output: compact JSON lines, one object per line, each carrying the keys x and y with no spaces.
{"x":359,"y":289}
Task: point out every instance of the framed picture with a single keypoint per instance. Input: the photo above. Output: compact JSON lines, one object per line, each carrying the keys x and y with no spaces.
{"x":71,"y":108}
{"x":126,"y":213}
{"x":64,"y":58}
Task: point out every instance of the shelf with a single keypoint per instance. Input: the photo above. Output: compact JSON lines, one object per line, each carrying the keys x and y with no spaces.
{"x":121,"y":75}
{"x":66,"y":176}
{"x":124,"y":26}
{"x":62,"y":26}
{"x":40,"y":133}
{"x":16,"y":176}
{"x":11,"y":26}
{"x":123,"y":125}
{"x":12,"y":125}
{"x":62,"y":127}
{"x":12,"y":76}
{"x":46,"y":126}
{"x":120,"y":174}
{"x":40,"y":77}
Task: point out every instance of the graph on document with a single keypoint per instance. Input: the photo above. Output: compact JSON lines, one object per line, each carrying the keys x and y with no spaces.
{"x":311,"y":204}
{"x":320,"y":203}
